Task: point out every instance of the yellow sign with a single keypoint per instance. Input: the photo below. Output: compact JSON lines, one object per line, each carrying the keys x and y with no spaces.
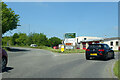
{"x":62,"y":48}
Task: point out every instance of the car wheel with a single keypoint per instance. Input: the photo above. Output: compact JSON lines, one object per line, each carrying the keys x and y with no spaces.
{"x":87,"y":58}
{"x":113,"y":57}
{"x":106,"y":57}
{"x":4,"y":63}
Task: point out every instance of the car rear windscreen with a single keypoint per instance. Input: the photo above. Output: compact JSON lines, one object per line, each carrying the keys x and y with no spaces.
{"x":91,"y":46}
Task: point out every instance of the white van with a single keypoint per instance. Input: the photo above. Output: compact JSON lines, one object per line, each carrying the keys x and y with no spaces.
{"x":33,"y":45}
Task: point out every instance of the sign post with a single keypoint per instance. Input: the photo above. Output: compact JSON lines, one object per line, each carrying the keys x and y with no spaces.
{"x":69,"y":40}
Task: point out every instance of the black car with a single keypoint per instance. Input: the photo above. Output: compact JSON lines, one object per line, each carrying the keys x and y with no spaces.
{"x":99,"y":51}
{"x":3,"y":58}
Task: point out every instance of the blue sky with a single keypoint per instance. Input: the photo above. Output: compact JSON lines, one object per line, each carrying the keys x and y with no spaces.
{"x":56,"y":18}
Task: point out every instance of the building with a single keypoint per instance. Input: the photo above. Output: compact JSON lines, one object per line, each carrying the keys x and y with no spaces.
{"x":81,"y":42}
{"x":114,"y":42}
{"x":72,"y":42}
{"x":84,"y":38}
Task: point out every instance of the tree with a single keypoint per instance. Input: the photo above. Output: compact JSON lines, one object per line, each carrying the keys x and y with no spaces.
{"x":36,"y":38}
{"x":29,"y":39}
{"x":43,"y":40}
{"x":6,"y":40}
{"x":13,"y":39}
{"x":22,"y":39}
{"x":9,"y":19}
{"x":54,"y":41}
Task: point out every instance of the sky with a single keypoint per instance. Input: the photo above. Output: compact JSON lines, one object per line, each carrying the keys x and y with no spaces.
{"x":60,"y":0}
{"x":56,"y":18}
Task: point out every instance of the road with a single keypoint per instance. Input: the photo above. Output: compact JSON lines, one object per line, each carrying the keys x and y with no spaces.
{"x":38,"y":63}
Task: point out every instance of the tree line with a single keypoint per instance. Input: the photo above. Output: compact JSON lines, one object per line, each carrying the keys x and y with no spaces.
{"x":22,"y":39}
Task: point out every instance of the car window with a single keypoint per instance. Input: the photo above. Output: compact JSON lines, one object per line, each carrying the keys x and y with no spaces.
{"x":106,"y":46}
{"x":95,"y":46}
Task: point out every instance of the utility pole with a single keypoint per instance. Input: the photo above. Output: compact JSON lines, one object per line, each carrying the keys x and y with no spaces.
{"x":29,"y":28}
{"x":105,"y":36}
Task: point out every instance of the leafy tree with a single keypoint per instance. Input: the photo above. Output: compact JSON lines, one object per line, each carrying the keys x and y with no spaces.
{"x":22,"y":39}
{"x":36,"y":38}
{"x":29,"y":39}
{"x":13,"y":39}
{"x":54,"y":41}
{"x":6,"y":40}
{"x":42,"y":39}
{"x":9,"y":19}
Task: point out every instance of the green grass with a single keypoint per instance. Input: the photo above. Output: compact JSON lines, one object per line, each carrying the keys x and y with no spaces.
{"x":116,"y":69}
{"x":74,"y":51}
{"x":116,"y":51}
{"x":50,"y":49}
{"x":59,"y":51}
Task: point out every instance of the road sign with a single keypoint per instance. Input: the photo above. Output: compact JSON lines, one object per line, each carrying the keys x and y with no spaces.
{"x":70,"y":35}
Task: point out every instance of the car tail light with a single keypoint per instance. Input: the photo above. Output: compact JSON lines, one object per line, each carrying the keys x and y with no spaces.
{"x":87,"y":49}
{"x":101,"y":50}
{"x":100,"y":54}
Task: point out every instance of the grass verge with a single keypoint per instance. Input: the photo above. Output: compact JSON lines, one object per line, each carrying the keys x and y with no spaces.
{"x":116,"y":51}
{"x":50,"y":49}
{"x":116,"y":69}
{"x":58,"y":50}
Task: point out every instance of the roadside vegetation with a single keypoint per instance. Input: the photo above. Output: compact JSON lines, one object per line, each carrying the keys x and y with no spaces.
{"x":50,"y":49}
{"x":116,"y":51}
{"x":21,"y":39}
{"x":117,"y":69}
{"x":59,"y":51}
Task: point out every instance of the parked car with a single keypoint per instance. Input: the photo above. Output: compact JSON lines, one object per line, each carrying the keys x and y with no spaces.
{"x":33,"y":45}
{"x":99,"y":51}
{"x":55,"y":47}
{"x":4,"y":58}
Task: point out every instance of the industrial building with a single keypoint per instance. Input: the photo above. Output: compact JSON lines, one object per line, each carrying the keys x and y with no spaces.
{"x":84,"y":41}
{"x":114,"y":42}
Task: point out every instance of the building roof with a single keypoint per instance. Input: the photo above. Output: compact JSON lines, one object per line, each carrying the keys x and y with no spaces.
{"x":104,"y":39}
{"x":88,"y":37}
{"x":113,"y":38}
{"x":92,"y":40}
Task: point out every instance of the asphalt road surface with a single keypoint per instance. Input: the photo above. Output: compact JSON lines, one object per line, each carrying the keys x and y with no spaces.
{"x":37,"y":63}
